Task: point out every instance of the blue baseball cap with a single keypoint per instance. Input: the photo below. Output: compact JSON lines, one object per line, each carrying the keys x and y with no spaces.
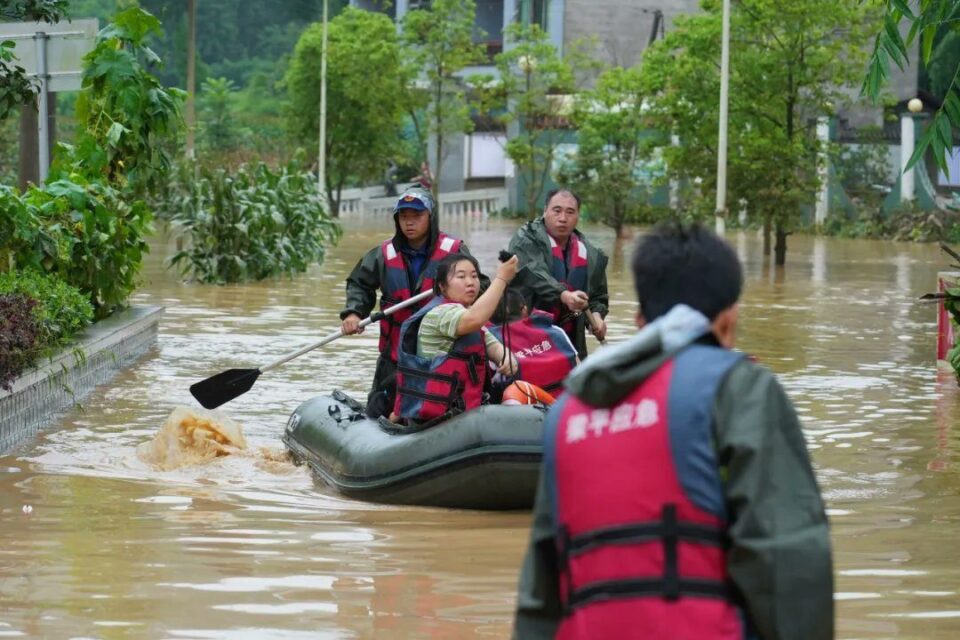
{"x":416,"y":200}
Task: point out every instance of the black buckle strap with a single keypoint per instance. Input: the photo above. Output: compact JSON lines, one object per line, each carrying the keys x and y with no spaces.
{"x":671,"y":572}
{"x":669,"y":586}
{"x":472,"y":360}
{"x":653,"y":587}
{"x":646,"y":532}
{"x":423,"y":395}
{"x":429,"y":375}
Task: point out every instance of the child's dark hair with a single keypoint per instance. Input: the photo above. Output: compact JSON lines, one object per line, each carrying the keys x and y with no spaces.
{"x":447,"y":264}
{"x":554,"y":192}
{"x":510,"y":307}
{"x":685,"y":264}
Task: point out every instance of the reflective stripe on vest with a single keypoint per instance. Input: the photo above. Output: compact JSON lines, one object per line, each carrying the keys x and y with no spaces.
{"x":635,"y":551}
{"x":571,"y":272}
{"x":428,"y":388}
{"x":543,"y":351}
{"x":397,"y":287}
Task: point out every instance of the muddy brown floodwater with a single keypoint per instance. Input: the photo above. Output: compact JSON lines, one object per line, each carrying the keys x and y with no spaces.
{"x":249,"y":547}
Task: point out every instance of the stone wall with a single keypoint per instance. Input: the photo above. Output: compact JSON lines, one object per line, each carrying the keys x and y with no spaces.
{"x":58,"y":383}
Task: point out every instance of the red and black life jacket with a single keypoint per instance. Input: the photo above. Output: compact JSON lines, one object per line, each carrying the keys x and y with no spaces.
{"x":570,"y":269}
{"x":397,"y":287}
{"x":452,"y":382}
{"x":543,"y":351}
{"x":638,"y":557}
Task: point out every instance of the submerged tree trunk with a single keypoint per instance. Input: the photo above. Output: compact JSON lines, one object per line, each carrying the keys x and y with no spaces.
{"x":780,"y":250}
{"x":766,"y":233}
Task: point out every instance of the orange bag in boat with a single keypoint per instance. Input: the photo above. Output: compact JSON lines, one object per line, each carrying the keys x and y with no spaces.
{"x":522,"y":392}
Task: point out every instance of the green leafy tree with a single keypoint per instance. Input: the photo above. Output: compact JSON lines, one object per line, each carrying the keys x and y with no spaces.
{"x":129,"y":118}
{"x":534,"y":93}
{"x":16,"y":89}
{"x":926,"y":21}
{"x":218,"y":124}
{"x":251,"y":223}
{"x":614,"y":143}
{"x":790,"y":63}
{"x":87,"y":223}
{"x":365,"y":89}
{"x":440,"y":44}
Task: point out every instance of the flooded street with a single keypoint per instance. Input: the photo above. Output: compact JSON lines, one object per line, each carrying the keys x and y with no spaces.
{"x":249,"y":547}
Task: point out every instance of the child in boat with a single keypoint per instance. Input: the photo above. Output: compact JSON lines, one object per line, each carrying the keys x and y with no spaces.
{"x":543,"y":350}
{"x":444,"y":347}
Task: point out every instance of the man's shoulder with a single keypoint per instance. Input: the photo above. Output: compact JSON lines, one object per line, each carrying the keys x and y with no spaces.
{"x":748,"y":377}
{"x":532,"y":231}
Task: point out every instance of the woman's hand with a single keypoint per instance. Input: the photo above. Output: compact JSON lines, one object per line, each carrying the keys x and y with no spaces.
{"x":507,"y":270}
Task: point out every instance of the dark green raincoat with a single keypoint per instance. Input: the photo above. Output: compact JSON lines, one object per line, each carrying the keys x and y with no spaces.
{"x":535,"y":280}
{"x":779,"y":557}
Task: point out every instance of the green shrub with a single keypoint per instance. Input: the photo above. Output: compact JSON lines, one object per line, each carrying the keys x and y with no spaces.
{"x":61,"y":310}
{"x":18,"y":336}
{"x":250,"y":224}
{"x":88,"y":233}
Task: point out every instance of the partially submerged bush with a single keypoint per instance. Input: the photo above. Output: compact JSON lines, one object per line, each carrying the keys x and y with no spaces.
{"x":249,"y":224}
{"x":19,"y":330}
{"x":86,"y":232}
{"x":61,"y":310}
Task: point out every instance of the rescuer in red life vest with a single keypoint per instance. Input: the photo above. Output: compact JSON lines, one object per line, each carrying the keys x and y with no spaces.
{"x":400,"y":267}
{"x":561,"y":271}
{"x":676,"y":497}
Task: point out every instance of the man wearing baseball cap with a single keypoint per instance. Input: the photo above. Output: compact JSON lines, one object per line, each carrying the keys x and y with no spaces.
{"x":400,"y":267}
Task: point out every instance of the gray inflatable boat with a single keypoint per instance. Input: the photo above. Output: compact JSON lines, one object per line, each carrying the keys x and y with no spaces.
{"x":488,"y":458}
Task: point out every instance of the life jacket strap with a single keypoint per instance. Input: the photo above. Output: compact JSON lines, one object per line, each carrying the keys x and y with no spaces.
{"x":669,"y":586}
{"x":652,"y":587}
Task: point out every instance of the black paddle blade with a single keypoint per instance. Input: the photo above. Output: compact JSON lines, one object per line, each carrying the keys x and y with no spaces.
{"x":223,"y":387}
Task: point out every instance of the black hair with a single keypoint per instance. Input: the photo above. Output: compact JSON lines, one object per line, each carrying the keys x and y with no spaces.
{"x":447,"y":264}
{"x":510,"y":307}
{"x":685,"y":264}
{"x":554,"y":192}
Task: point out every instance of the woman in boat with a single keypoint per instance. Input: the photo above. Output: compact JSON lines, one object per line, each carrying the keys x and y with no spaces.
{"x":444,"y":347}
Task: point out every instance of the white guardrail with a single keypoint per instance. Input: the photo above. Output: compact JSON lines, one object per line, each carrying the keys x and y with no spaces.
{"x":370,"y":201}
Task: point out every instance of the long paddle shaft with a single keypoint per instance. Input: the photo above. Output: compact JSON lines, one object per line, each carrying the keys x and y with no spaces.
{"x":593,"y":325}
{"x":227,"y":385}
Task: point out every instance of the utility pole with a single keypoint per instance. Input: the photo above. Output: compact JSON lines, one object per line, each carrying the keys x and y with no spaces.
{"x":721,"y":208}
{"x":191,"y":75}
{"x":322,"y":152}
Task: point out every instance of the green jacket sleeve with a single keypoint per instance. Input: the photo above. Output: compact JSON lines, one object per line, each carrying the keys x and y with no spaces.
{"x":362,"y":285}
{"x":534,"y":275}
{"x":779,"y":559}
{"x":599,"y":296}
{"x":538,"y":598}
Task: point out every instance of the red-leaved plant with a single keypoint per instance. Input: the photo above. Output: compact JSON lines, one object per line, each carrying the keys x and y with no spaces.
{"x":18,"y":337}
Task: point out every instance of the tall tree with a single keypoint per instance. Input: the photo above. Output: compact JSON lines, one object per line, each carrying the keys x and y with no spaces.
{"x":534,"y":92}
{"x":440,"y":42}
{"x":927,"y":20}
{"x":790,"y":63}
{"x":615,"y":140}
{"x":366,"y":85}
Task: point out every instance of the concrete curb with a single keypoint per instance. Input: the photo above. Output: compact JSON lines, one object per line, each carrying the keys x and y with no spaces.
{"x":65,"y":379}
